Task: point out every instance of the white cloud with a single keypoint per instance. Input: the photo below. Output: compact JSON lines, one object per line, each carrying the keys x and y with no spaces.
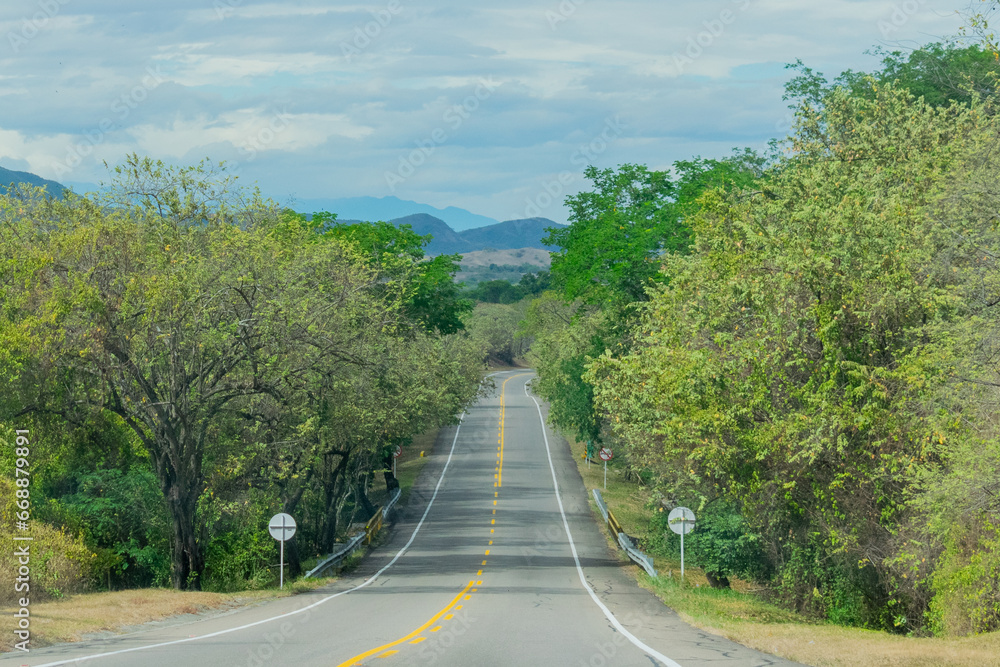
{"x":257,"y":130}
{"x":229,"y":66}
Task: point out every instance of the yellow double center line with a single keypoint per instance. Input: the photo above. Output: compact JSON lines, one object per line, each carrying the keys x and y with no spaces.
{"x":416,"y":637}
{"x":375,"y":651}
{"x":503,"y":411}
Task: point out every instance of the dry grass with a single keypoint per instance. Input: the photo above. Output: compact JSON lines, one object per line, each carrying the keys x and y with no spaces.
{"x":409,"y":466}
{"x":75,"y":617}
{"x":740,"y":615}
{"x":121,"y":611}
{"x":78,"y":615}
{"x":834,"y":646}
{"x":479,"y":258}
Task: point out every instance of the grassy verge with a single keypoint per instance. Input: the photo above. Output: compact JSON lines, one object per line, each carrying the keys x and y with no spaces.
{"x":76,"y":617}
{"x":409,"y":466}
{"x":740,"y":615}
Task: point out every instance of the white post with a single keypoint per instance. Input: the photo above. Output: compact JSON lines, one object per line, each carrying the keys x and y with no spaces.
{"x":682,"y":550}
{"x":282,"y":575}
{"x":393,"y":466}
{"x":605,"y":475}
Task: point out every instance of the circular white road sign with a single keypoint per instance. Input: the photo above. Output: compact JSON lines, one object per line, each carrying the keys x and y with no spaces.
{"x":681,"y":520}
{"x":281,"y":526}
{"x":605,"y":454}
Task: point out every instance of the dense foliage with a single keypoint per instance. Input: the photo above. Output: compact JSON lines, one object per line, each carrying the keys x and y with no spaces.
{"x":191,"y":360}
{"x":814,"y":368}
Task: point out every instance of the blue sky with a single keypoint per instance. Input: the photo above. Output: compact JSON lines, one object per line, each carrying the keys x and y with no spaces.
{"x":495,"y":108}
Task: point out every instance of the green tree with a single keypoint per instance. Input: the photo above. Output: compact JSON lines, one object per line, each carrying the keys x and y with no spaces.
{"x":397,"y":252}
{"x":610,"y":257}
{"x":494,"y":327}
{"x":788,"y":363}
{"x":617,"y":233}
{"x":496,"y":291}
{"x":940,"y":73}
{"x":166,"y":305}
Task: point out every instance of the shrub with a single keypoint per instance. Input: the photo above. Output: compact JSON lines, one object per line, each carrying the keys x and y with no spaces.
{"x":967,"y":580}
{"x":60,"y":564}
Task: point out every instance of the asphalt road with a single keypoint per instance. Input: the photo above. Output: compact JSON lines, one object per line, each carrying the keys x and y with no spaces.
{"x":488,"y":565}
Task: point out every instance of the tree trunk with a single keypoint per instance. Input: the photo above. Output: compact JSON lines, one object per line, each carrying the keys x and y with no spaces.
{"x":333,"y":491}
{"x":181,"y":489}
{"x":361,"y":495}
{"x":391,"y":483}
{"x":292,"y":558}
{"x":188,"y":560}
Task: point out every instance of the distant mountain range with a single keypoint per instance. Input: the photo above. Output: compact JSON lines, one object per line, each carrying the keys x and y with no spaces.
{"x":390,"y":208}
{"x":509,"y":235}
{"x":9,"y":177}
{"x":455,"y":230}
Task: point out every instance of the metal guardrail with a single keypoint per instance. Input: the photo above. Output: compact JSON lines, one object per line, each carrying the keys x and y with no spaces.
{"x":624,"y":541}
{"x":616,"y":528}
{"x":601,"y":505}
{"x":373,"y":526}
{"x":644,"y":560}
{"x":338,"y":556}
{"x":392,"y":501}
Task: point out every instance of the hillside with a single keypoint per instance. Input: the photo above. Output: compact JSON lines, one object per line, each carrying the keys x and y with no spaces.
{"x":509,"y":235}
{"x":446,"y":240}
{"x":8,"y":177}
{"x":390,"y":208}
{"x":482,"y":265}
{"x":484,"y":258}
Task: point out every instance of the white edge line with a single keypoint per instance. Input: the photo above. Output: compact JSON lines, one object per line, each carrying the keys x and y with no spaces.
{"x":576,"y":559}
{"x":297,"y":611}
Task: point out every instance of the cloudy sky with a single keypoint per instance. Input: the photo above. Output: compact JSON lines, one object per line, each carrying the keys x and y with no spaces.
{"x":494,"y":107}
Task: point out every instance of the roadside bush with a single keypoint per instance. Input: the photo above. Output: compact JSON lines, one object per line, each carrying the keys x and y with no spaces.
{"x":60,"y":564}
{"x":723,"y":545}
{"x":238,"y":560}
{"x":967,"y":581}
{"x":123,"y":517}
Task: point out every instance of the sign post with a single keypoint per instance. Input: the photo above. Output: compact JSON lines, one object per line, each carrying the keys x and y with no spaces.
{"x":396,"y":455}
{"x":282,"y":527}
{"x":681,"y":521}
{"x":606,"y":455}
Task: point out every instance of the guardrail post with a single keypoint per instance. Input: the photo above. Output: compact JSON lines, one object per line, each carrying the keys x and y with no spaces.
{"x":349,"y":548}
{"x":623,"y":540}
